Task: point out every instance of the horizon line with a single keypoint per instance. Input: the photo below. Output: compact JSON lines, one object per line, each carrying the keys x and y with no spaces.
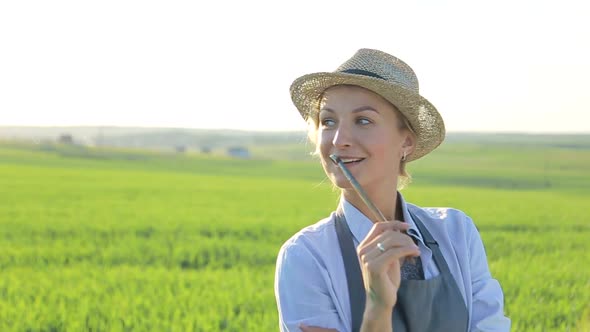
{"x":277,"y":131}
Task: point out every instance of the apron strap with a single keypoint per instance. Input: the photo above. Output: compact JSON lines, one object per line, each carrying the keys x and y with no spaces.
{"x":354,"y":276}
{"x":431,"y":243}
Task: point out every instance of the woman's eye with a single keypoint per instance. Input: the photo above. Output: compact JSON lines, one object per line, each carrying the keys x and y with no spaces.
{"x":363,"y":121}
{"x":328,"y":122}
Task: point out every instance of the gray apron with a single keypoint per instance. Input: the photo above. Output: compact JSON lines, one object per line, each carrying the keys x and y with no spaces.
{"x":422,"y":305}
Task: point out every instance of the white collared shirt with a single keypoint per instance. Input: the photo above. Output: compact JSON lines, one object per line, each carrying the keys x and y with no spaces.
{"x":310,"y":280}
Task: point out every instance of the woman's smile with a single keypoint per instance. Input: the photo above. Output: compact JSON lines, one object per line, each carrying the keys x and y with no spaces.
{"x":349,"y":161}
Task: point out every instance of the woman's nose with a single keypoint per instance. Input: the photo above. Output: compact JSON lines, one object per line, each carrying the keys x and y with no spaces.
{"x":342,"y":137}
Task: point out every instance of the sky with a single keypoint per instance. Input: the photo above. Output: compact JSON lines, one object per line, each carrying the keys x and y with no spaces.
{"x":493,"y":66}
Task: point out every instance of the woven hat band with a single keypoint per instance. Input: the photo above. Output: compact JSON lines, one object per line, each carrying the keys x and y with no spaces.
{"x":362,"y":72}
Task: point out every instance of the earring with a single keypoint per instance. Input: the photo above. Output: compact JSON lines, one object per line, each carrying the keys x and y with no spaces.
{"x":404,"y":156}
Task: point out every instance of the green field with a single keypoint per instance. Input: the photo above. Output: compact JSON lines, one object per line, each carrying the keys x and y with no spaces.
{"x":121,"y":240}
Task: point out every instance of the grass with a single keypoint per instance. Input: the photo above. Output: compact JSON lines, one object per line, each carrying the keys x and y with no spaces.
{"x":124,"y":240}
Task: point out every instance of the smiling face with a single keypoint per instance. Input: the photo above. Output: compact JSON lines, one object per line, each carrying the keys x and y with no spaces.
{"x":365,"y":131}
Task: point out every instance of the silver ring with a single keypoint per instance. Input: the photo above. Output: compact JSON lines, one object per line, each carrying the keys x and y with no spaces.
{"x":380,"y":247}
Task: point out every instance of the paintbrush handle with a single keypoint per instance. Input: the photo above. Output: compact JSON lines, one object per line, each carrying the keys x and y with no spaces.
{"x":360,"y":191}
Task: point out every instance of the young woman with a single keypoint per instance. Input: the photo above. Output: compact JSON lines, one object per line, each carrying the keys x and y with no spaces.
{"x":421,"y":269}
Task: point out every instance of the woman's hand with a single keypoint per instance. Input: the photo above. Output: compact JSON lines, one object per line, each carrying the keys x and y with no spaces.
{"x":381,"y":273}
{"x":381,"y":267}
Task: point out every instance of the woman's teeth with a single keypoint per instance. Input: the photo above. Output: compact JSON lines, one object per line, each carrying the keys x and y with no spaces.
{"x":351,"y":160}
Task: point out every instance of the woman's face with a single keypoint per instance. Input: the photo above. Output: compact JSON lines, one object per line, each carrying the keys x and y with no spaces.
{"x":363,"y":129}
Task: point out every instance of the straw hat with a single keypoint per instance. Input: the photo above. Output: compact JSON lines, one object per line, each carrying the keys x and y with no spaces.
{"x":385,"y":75}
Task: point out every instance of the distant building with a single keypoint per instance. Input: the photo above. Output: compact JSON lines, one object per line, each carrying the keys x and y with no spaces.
{"x":238,"y":152}
{"x":65,"y":139}
{"x":180,"y":149}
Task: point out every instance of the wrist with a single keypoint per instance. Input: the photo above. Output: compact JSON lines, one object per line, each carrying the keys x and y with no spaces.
{"x":378,"y":305}
{"x":377,"y":316}
{"x":377,"y":320}
{"x":376,"y":312}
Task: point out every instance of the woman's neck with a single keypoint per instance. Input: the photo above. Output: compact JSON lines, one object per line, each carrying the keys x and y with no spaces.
{"x":383,"y":197}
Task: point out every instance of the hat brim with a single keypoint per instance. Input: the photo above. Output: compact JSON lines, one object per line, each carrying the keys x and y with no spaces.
{"x":426,"y":122}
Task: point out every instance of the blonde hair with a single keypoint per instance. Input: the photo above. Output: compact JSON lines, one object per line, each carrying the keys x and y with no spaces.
{"x":404,"y":178}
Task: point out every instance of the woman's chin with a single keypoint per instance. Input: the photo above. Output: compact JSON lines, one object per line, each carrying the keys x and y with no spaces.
{"x":342,"y":182}
{"x":368,"y":184}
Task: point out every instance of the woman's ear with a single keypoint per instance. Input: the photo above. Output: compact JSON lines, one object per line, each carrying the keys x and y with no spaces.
{"x":409,"y":143}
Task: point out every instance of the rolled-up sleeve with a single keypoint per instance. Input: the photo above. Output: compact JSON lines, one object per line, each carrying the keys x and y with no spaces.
{"x":302,"y":290}
{"x":487,"y":297}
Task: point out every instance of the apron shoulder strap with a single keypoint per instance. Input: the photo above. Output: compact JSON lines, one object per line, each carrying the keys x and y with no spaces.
{"x":431,"y":243}
{"x":354,"y":276}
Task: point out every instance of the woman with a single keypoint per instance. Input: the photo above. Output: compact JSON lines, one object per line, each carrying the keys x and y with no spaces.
{"x":420,"y":270}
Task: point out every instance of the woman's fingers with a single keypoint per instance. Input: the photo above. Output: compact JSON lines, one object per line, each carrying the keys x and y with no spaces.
{"x":382,"y":263}
{"x":381,"y":253}
{"x":382,"y":275}
{"x":399,"y":253}
{"x":383,"y":226}
{"x":388,"y":239}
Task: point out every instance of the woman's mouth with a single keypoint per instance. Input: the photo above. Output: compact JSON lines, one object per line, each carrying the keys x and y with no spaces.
{"x":351,"y":161}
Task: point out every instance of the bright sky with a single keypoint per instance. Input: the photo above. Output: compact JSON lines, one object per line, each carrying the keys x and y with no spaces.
{"x":487,"y":66}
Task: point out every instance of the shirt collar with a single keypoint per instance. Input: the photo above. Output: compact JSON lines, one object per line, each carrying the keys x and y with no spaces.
{"x":360,"y":225}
